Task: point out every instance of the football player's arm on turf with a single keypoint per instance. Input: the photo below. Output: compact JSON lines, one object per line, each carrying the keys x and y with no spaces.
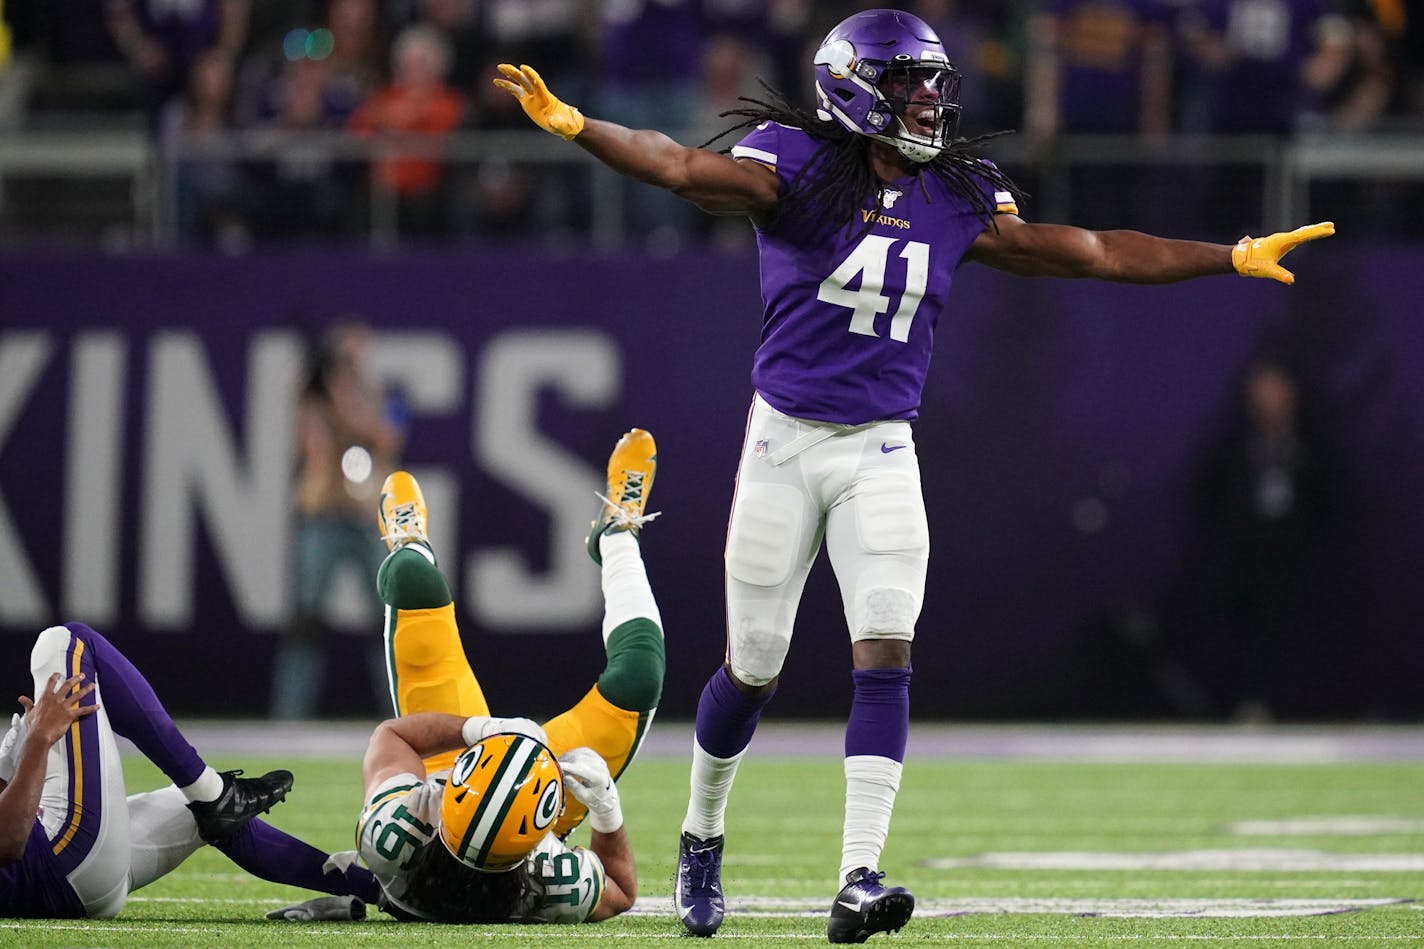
{"x":587,"y":779}
{"x":714,"y":182}
{"x":48,"y":720}
{"x":621,"y":886}
{"x":1058,"y":250}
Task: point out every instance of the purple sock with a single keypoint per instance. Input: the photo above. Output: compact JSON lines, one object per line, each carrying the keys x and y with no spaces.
{"x":727,"y":717}
{"x":880,"y":714}
{"x":264,"y":851}
{"x":135,"y":712}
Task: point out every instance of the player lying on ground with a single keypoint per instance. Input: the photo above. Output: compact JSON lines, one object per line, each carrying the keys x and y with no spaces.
{"x":73,"y":845}
{"x":466,"y":815}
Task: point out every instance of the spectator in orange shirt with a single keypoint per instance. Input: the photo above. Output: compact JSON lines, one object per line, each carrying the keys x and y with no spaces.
{"x":416,"y":101}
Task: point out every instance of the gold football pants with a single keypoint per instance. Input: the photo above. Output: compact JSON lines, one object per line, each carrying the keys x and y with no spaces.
{"x":429,"y":673}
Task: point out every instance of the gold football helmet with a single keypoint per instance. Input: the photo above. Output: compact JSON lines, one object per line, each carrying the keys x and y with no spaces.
{"x":501,"y":797}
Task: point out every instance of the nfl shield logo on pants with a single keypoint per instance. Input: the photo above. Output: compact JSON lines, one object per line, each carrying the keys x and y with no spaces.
{"x":759,"y":449}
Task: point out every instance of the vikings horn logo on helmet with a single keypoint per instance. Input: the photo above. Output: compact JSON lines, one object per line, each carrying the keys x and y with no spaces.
{"x":885,"y":74}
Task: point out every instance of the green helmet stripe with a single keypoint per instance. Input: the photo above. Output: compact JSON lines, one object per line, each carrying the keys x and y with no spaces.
{"x":495,"y":804}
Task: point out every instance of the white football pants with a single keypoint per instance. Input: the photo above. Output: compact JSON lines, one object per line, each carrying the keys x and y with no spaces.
{"x":136,"y":839}
{"x":857,"y":487}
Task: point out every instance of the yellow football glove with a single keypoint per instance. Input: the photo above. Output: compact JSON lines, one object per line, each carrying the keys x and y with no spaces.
{"x":539,"y":103}
{"x":1259,"y":257}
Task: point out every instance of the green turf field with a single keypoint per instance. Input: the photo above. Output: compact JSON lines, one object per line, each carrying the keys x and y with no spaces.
{"x":998,"y":853}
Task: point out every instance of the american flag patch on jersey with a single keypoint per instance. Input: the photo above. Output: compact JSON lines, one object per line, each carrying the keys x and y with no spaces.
{"x":1004,"y":203}
{"x":759,"y":449}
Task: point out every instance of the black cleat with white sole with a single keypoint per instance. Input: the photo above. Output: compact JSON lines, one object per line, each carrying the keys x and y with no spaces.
{"x":241,"y":800}
{"x":863,"y":907}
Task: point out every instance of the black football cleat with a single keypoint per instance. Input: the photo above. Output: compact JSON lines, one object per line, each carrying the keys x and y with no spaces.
{"x":863,"y":907}
{"x":697,"y":892}
{"x":241,"y":800}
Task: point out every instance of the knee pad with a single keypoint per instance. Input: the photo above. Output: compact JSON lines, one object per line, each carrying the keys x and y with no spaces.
{"x":764,"y":532}
{"x":428,"y":669}
{"x":427,"y":637}
{"x":746,"y":675}
{"x":47,"y":656}
{"x":756,"y":651}
{"x":885,"y":613}
{"x":431,"y":697}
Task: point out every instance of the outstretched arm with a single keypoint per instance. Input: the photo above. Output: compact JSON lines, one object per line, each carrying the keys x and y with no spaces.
{"x":1056,"y":250}
{"x":714,"y":182}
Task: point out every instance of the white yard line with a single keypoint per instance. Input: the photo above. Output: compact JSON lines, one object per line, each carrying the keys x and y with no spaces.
{"x":520,"y":934}
{"x":1273,"y":860}
{"x":784,"y":907}
{"x":1115,"y":908}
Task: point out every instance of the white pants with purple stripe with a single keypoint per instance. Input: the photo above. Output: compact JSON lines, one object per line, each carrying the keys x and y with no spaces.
{"x":108,"y":844}
{"x":800,"y":482}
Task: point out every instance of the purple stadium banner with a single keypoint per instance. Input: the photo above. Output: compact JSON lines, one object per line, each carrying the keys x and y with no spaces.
{"x":147,"y":452}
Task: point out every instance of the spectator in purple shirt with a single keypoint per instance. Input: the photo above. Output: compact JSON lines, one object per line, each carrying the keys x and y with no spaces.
{"x":1260,"y":64}
{"x":164,"y":41}
{"x":1098,"y":66}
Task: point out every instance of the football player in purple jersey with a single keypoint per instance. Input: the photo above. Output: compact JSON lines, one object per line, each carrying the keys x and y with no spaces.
{"x":73,"y":845}
{"x":862,"y":210}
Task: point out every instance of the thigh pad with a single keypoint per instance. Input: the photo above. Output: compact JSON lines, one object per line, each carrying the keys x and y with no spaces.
{"x":764,"y":538}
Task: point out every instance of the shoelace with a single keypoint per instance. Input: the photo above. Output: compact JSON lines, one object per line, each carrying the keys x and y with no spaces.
{"x":703,"y":861}
{"x":404,"y":524}
{"x":871,"y":881}
{"x":622,"y":518}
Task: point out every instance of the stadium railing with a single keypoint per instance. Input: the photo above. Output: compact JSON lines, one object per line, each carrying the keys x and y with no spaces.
{"x":1280,"y":195}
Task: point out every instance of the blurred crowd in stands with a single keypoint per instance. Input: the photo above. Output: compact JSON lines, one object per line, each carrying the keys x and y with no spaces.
{"x":1151,"y":69}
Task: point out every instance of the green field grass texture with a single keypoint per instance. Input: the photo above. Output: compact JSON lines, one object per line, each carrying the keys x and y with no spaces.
{"x":998,"y":853}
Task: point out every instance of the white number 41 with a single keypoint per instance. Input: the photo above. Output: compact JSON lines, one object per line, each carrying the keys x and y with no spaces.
{"x":868,"y":261}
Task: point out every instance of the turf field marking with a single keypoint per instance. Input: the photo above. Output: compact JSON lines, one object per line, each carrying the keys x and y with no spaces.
{"x":1263,"y":859}
{"x":1342,"y":825}
{"x":258,"y":901}
{"x":773,"y":907}
{"x":752,"y":906}
{"x":346,"y":930}
{"x":521,"y":935}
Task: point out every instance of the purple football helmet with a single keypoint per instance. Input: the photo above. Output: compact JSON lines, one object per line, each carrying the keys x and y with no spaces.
{"x":885,"y":74}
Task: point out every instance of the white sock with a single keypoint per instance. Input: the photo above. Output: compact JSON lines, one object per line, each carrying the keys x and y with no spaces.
{"x":871,"y":785}
{"x":421,"y":547}
{"x":208,"y":787}
{"x":626,"y":592}
{"x":711,"y":785}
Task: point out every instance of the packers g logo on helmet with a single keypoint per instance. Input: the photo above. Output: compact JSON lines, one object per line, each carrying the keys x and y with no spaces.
{"x":502,"y":796}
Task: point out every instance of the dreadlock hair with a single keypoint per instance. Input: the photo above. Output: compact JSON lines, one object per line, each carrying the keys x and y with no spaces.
{"x":442,"y":887}
{"x":838,"y":178}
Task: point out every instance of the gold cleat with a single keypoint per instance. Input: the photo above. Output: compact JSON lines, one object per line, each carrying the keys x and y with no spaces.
{"x":402,"y":511}
{"x":630,"y":479}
